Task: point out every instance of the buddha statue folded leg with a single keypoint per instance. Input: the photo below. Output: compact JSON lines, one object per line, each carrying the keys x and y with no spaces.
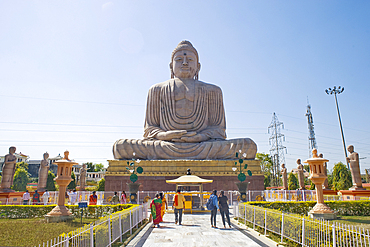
{"x":157,"y":149}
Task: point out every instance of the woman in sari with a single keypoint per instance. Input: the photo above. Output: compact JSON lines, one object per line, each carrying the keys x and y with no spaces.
{"x":164,"y":204}
{"x":155,"y":207}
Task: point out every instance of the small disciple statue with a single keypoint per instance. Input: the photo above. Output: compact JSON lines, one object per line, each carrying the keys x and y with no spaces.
{"x":300,"y":175}
{"x":185,"y":118}
{"x":43,"y":173}
{"x":284,"y":175}
{"x":325,"y":186}
{"x":354,"y":164}
{"x":8,"y":171}
{"x":83,"y":177}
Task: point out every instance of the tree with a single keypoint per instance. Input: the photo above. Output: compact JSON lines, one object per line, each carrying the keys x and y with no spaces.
{"x":90,"y":166}
{"x":99,"y":167}
{"x":50,"y":183}
{"x":292,"y":182}
{"x":21,"y":178}
{"x":342,"y":178}
{"x":266,"y":167}
{"x":72,"y":184}
{"x":101,"y":185}
{"x":22,"y":164}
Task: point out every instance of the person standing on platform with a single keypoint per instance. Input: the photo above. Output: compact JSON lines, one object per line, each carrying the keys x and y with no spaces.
{"x":45,"y":197}
{"x":155,"y":209}
{"x":26,"y":198}
{"x":115,"y":198}
{"x":73,"y":197}
{"x":164,"y":204}
{"x":93,"y":199}
{"x":224,"y":208}
{"x":36,"y":198}
{"x":214,"y":200}
{"x":179,"y":205}
{"x":123,"y":198}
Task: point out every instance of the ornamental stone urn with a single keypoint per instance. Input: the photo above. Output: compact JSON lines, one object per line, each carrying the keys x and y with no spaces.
{"x":317,"y":176}
{"x":61,"y":212}
{"x":133,"y":189}
{"x":242,"y":187}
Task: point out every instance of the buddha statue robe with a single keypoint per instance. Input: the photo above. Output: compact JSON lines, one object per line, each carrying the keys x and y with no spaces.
{"x":204,"y":114}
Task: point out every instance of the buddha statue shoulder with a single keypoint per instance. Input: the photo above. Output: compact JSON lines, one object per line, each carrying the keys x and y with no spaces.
{"x":185,"y":118}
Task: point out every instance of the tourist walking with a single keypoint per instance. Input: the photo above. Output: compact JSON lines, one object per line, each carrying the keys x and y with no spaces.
{"x":93,"y":199}
{"x":155,"y":208}
{"x":164,"y":204}
{"x":179,"y":205}
{"x":45,"y":197}
{"x":123,"y":198}
{"x":36,"y":198}
{"x":73,"y":197}
{"x":26,"y":198}
{"x":213,"y":202}
{"x":224,"y":208}
{"x":115,"y":198}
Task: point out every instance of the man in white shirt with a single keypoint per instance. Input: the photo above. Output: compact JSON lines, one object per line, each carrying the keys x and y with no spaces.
{"x":73,"y":197}
{"x":26,"y":197}
{"x":45,"y":197}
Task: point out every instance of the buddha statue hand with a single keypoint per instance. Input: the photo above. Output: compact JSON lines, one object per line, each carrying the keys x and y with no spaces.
{"x":171,"y":135}
{"x":194,"y":138}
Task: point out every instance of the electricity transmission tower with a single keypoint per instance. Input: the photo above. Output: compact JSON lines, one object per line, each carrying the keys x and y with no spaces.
{"x":277,"y":149}
{"x":311,"y":136}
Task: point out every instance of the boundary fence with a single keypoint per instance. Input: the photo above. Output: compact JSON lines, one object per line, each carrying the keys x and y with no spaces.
{"x":102,"y":232}
{"x":303,"y":230}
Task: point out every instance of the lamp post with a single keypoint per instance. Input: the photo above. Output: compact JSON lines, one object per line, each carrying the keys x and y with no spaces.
{"x":336,"y":91}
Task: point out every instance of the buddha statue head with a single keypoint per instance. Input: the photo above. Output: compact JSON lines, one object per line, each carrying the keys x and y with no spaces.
{"x":185,"y":61}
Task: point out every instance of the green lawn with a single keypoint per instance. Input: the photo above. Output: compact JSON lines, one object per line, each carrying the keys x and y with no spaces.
{"x":31,"y":232}
{"x":361,"y":221}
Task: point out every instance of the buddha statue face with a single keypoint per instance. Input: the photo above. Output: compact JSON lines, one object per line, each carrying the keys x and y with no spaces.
{"x":185,"y":64}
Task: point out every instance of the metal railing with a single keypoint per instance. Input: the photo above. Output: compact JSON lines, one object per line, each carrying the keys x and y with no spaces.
{"x":303,"y":230}
{"x":102,"y":232}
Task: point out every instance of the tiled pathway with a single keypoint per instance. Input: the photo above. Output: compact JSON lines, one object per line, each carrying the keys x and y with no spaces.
{"x":196,"y":230}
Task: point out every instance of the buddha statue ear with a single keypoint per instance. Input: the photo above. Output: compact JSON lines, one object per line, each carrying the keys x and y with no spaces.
{"x":171,"y":69}
{"x":196,"y":77}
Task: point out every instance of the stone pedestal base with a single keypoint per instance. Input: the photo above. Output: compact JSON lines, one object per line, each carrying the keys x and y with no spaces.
{"x":11,"y":198}
{"x":323,"y":216}
{"x":349,"y":195}
{"x":54,"y":219}
{"x":329,"y":192}
{"x":60,"y":211}
{"x":156,"y":172}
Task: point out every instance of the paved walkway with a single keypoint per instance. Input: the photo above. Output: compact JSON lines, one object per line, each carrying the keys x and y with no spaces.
{"x":196,"y":230}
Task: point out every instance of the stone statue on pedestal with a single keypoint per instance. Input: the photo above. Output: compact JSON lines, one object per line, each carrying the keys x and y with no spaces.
{"x":8,"y":171}
{"x":185,"y":118}
{"x":83,"y":177}
{"x":300,"y":175}
{"x":284,"y":177}
{"x":326,"y":182}
{"x":43,"y":173}
{"x":354,"y":164}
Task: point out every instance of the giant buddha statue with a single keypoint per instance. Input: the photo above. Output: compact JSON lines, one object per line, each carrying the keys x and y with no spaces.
{"x":185,"y":118}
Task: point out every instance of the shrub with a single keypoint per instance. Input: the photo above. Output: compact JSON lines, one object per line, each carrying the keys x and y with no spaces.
{"x":342,"y":178}
{"x":20,"y":179}
{"x":72,"y":184}
{"x":35,"y":211}
{"x":50,"y":183}
{"x":292,"y":182}
{"x":101,"y":185}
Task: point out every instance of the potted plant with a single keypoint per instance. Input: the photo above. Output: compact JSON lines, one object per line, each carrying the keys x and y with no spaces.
{"x":242,"y":186}
{"x":133,"y":187}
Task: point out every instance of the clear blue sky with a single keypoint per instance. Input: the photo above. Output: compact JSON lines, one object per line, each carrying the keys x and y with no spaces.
{"x":75,"y":74}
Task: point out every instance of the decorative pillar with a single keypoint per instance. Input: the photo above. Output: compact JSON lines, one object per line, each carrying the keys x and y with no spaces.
{"x":317,"y":176}
{"x":61,"y":212}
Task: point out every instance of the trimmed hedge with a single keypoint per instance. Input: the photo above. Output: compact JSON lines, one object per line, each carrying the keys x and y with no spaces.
{"x":351,"y":208}
{"x":34,"y":211}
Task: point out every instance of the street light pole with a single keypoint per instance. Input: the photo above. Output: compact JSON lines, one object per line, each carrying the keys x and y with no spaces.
{"x":336,"y":91}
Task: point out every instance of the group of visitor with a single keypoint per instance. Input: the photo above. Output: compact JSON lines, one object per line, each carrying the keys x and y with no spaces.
{"x":35,"y":198}
{"x":219,"y":203}
{"x":116,"y":200}
{"x":158,"y":208}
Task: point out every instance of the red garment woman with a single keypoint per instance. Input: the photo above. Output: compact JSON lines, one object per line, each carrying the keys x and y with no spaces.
{"x":155,"y":207}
